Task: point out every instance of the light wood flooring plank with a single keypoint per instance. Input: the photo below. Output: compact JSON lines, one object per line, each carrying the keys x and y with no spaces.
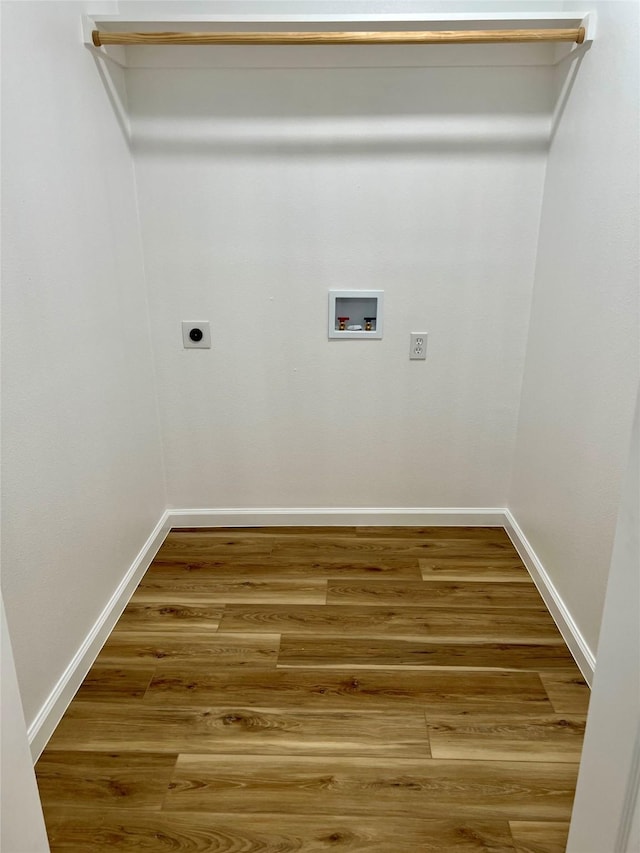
{"x":115,"y":683}
{"x":474,"y":536}
{"x":567,"y":690}
{"x":318,"y":566}
{"x":418,"y":622}
{"x":270,"y":569}
{"x":399,"y":787}
{"x":540,"y":837}
{"x":84,"y":831}
{"x":176,"y":545}
{"x":214,"y":650}
{"x":466,"y":568}
{"x":358,"y":546}
{"x":499,"y":737}
{"x":141,"y":727}
{"x":104,"y":780}
{"x":169,"y":616}
{"x":521,"y":595}
{"x":343,"y":690}
{"x":274,"y":531}
{"x":305,"y":650}
{"x":184,"y":587}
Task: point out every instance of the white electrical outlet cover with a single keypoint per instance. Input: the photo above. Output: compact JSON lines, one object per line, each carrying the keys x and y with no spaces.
{"x":192,"y":327}
{"x":417,"y":346}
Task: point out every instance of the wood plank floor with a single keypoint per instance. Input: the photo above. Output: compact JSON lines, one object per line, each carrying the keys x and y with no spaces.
{"x":389,"y":690}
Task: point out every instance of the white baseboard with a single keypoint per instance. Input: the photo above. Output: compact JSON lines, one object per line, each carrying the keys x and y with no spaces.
{"x":56,"y":704}
{"x":577,"y":644}
{"x":58,"y":700}
{"x":348,"y":516}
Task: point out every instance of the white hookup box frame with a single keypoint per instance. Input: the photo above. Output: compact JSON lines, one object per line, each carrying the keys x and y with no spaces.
{"x":359,"y":306}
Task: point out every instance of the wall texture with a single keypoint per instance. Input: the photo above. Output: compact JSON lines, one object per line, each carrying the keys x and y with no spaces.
{"x":583,"y":353}
{"x":261,"y":189}
{"x":82,"y":471}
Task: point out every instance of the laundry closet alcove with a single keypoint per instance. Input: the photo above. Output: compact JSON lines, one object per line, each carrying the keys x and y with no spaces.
{"x":300,"y":551}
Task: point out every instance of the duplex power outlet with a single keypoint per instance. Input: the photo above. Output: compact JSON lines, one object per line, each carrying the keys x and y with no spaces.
{"x":418,"y":346}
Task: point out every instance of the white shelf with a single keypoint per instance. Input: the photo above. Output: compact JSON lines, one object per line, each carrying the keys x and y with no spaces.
{"x":456,"y":20}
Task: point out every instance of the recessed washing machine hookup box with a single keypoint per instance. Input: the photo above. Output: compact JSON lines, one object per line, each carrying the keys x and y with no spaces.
{"x":355,"y":314}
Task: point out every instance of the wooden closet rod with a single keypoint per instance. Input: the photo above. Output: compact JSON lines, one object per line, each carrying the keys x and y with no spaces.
{"x":101,"y":37}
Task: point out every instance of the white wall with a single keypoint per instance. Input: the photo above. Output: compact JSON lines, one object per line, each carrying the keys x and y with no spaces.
{"x":583,"y":356}
{"x":22,"y":827}
{"x":82,"y":473}
{"x":261,"y":189}
{"x":605,"y":815}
